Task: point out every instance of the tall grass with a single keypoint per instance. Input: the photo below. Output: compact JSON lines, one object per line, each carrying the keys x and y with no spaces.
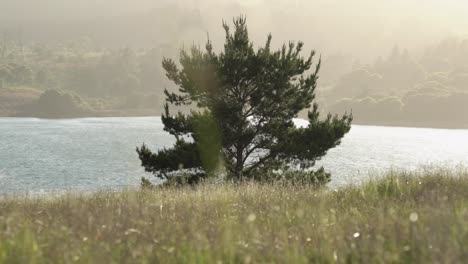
{"x":403,"y":218}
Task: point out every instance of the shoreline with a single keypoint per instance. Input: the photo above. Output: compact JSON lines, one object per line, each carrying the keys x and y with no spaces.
{"x":145,"y":113}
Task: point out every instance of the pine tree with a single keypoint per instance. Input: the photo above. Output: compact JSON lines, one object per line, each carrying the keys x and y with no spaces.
{"x":244,"y":102}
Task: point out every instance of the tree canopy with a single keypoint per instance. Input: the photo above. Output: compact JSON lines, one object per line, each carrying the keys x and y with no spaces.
{"x":243,"y":105}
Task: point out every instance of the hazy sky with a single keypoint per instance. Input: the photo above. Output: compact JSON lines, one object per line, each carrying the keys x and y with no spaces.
{"x":351,"y":26}
{"x":448,"y":11}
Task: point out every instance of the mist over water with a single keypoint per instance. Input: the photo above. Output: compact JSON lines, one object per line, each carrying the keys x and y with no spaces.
{"x":95,"y":154}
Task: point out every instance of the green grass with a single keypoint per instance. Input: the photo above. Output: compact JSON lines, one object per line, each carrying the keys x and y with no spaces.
{"x":403,"y":218}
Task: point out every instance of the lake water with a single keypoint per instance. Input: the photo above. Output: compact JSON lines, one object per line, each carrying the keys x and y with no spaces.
{"x":92,"y":154}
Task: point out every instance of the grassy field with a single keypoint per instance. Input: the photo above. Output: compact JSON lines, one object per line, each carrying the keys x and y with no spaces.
{"x":403,"y":218}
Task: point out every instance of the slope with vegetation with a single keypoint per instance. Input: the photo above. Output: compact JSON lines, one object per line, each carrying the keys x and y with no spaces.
{"x":426,"y":90}
{"x":111,"y":82}
{"x":424,"y":87}
{"x":57,"y":104}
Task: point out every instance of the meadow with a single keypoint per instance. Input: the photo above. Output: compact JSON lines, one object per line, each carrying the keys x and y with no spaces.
{"x":417,"y":217}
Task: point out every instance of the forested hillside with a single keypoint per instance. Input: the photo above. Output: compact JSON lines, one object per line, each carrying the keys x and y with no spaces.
{"x":107,"y":80}
{"x":430,"y":89}
{"x":109,"y":59}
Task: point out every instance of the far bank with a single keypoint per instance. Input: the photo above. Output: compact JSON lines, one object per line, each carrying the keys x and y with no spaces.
{"x":30,"y":102}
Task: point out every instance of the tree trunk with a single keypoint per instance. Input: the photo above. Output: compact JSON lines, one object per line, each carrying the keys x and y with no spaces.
{"x":239,"y":163}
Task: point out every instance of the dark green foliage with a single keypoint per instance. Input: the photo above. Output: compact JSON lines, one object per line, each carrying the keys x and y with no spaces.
{"x":182,"y":155}
{"x":57,"y":104}
{"x":245,"y":101}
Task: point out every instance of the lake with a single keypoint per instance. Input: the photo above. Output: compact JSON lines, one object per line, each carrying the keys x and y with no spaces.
{"x":93,"y":154}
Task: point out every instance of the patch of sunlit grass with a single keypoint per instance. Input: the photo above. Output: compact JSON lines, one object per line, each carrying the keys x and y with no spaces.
{"x":401,"y":218}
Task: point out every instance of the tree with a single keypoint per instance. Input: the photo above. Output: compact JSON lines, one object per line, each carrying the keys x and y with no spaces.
{"x":243,"y":102}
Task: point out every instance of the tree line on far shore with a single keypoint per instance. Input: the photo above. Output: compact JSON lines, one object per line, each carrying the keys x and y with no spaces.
{"x":425,"y":87}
